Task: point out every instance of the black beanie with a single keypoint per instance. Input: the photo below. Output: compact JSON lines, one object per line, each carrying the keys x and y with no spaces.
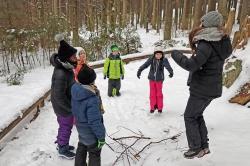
{"x":65,"y":51}
{"x":86,"y":75}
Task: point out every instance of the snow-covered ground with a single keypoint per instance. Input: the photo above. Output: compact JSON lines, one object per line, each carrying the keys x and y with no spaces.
{"x":228,"y":126}
{"x":15,"y":99}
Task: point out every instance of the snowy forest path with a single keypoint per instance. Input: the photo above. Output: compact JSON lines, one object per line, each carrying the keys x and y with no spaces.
{"x":35,"y":146}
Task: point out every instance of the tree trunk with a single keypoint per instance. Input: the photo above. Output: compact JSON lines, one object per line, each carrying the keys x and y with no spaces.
{"x":230,"y":22}
{"x":197,"y":13}
{"x":211,"y":5}
{"x":147,"y":15}
{"x":168,"y":20}
{"x":124,"y":13}
{"x":186,"y":14}
{"x":176,"y":14}
{"x":142,"y":15}
{"x":154,"y":14}
{"x":245,"y":10}
{"x":222,"y":8}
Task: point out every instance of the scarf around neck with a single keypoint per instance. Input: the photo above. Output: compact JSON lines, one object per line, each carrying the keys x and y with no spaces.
{"x":209,"y":34}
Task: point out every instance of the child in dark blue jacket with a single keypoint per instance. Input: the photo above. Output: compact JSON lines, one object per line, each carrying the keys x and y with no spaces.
{"x":89,"y":120}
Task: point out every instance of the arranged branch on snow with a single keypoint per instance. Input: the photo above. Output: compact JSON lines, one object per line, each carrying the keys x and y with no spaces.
{"x":156,"y":142}
{"x":128,"y":152}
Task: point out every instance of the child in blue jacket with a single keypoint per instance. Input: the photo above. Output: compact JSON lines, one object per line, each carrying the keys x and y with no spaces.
{"x":89,"y":120}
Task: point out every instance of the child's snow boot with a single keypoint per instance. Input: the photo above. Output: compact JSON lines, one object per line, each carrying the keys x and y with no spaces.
{"x":65,"y":152}
{"x":152,"y":111}
{"x":70,"y":147}
{"x":160,"y":111}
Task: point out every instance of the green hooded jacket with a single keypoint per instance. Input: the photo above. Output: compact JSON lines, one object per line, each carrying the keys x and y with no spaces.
{"x":113,"y":67}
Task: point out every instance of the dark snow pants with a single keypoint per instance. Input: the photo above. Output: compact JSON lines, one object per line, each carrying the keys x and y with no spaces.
{"x":81,"y":155}
{"x":114,"y":84}
{"x":196,"y":129}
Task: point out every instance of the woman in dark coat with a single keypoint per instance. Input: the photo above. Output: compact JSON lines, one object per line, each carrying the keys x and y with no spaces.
{"x":62,"y":80}
{"x":211,"y":46}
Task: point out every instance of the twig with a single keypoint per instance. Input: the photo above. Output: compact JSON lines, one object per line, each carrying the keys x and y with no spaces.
{"x":130,"y":130}
{"x":110,"y":147}
{"x":124,"y":151}
{"x":156,"y":142}
{"x":128,"y":137}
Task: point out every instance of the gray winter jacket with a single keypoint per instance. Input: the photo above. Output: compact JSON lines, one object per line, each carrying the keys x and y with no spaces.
{"x":156,"y":72}
{"x":62,"y":80}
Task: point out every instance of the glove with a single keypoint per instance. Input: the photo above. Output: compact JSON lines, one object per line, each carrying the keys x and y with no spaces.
{"x":105,"y":77}
{"x":122,"y":77}
{"x":100,"y":143}
{"x":171,"y":75}
{"x":138,"y":74}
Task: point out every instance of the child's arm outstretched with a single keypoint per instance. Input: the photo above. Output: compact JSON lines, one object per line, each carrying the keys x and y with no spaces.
{"x":168,"y":67}
{"x":144,"y":66}
{"x":195,"y":62}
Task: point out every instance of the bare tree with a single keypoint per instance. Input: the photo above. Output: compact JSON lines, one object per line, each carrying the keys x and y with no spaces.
{"x":186,"y":14}
{"x":197,"y":12}
{"x":168,"y":20}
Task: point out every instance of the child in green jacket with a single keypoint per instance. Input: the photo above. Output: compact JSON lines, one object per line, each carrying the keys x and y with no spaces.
{"x":114,"y":70}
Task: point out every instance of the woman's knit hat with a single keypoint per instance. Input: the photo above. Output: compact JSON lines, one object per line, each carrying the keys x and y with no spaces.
{"x":212,"y":19}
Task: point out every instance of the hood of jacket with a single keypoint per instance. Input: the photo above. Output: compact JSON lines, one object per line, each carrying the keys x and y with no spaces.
{"x":223,"y":47}
{"x":82,"y":92}
{"x":218,"y":40}
{"x":114,"y":57}
{"x":55,"y":61}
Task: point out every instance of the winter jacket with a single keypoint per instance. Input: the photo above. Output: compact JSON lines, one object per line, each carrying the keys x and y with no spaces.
{"x":156,"y":72}
{"x":62,"y":80}
{"x":206,"y":66}
{"x":86,"y":109}
{"x":113,"y":67}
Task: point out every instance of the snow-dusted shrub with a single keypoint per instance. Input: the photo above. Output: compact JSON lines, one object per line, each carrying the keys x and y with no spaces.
{"x":171,"y":43}
{"x":97,"y":45}
{"x":16,"y":78}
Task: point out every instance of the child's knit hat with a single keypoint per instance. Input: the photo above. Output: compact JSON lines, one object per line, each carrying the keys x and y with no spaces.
{"x":158,"y":49}
{"x":86,"y":75}
{"x":79,"y":49}
{"x":114,"y":47}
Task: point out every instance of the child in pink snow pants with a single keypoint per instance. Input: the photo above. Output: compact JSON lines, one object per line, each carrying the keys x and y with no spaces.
{"x":156,"y":77}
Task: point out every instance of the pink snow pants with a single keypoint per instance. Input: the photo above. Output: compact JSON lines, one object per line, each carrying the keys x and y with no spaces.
{"x":156,"y":96}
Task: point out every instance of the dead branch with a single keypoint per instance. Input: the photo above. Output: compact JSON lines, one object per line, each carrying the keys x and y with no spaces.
{"x":156,"y":142}
{"x":129,"y":137}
